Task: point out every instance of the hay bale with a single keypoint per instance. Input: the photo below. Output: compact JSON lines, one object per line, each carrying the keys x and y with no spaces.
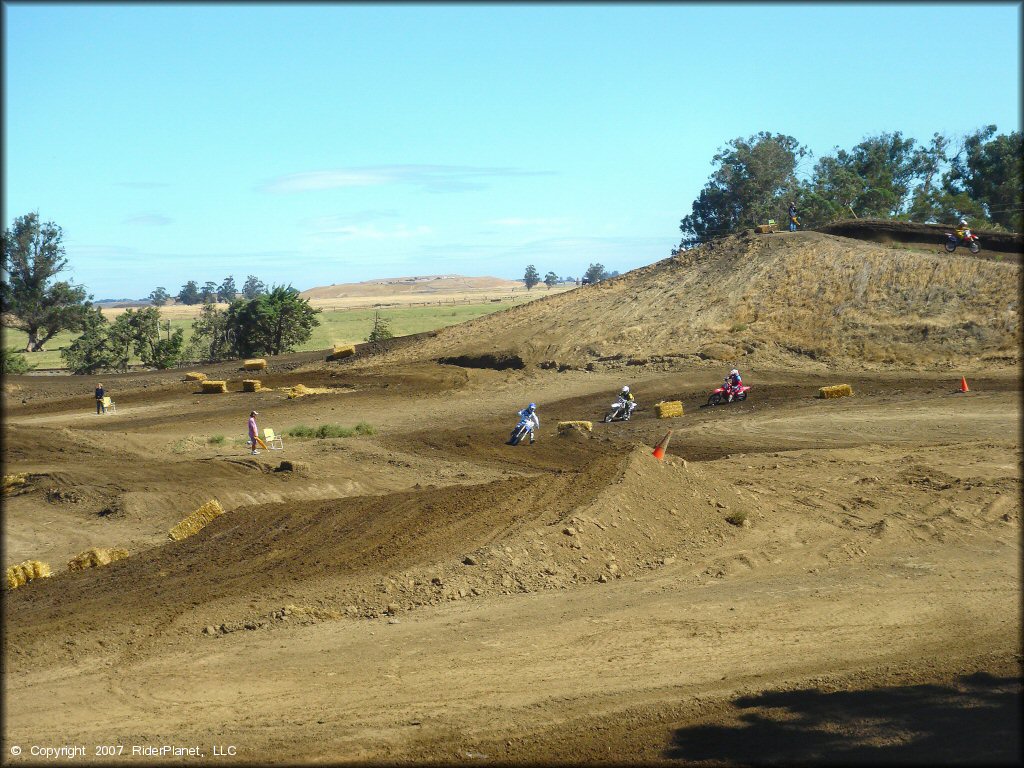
{"x":839,"y":390}
{"x":96,"y":557}
{"x":195,"y":376}
{"x":197,"y":520}
{"x":669,"y":409}
{"x":341,"y":351}
{"x":301,"y":390}
{"x":575,"y":426}
{"x":764,"y":229}
{"x":251,"y":385}
{"x":18,"y":575}
{"x":256,"y":364}
{"x":15,"y":482}
{"x":212,"y":386}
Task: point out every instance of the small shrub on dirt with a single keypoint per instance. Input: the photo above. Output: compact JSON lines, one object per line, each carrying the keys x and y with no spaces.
{"x":325,"y":431}
{"x":334,"y":430}
{"x":736,"y":518}
{"x":738,"y":328}
{"x":216,"y":440}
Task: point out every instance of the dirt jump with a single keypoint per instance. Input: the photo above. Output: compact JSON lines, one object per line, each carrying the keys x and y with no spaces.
{"x":799,"y":580}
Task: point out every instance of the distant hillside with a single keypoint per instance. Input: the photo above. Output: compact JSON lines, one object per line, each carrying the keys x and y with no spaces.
{"x":426,"y":285}
{"x":785,"y":298}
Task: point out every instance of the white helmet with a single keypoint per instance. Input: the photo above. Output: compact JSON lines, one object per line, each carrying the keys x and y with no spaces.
{"x":963,"y":222}
{"x":625,"y":390}
{"x":734,"y":372}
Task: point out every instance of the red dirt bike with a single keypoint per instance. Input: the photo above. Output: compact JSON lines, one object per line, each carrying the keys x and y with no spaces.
{"x":720,"y":396}
{"x":969,"y":239}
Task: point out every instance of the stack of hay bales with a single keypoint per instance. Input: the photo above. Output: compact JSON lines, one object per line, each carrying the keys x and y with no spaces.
{"x":575,"y":426}
{"x":95,"y":557}
{"x":256,"y":364}
{"x":251,"y":385}
{"x":212,"y":386}
{"x":195,"y":376}
{"x":23,"y":573}
{"x":15,"y":482}
{"x":669,"y":409}
{"x":839,"y":390}
{"x":340,"y":351}
{"x":198,"y":520}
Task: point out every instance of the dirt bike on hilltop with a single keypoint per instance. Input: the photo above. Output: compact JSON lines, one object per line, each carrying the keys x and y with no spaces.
{"x":969,"y":239}
{"x":720,"y":395}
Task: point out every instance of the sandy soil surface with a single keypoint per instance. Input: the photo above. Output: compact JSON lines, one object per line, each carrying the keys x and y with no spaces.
{"x":799,"y":581}
{"x":429,"y":593}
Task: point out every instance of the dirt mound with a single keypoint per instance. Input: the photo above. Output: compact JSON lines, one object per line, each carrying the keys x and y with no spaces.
{"x":779,"y":299}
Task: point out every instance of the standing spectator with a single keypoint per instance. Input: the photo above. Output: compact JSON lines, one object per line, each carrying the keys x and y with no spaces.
{"x":254,"y":432}
{"x":100,"y":407}
{"x":793,"y":221}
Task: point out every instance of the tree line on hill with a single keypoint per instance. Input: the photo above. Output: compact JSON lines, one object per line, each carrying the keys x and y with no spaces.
{"x":977,"y":177}
{"x":595,"y":273}
{"x":226,"y":292}
{"x":261,"y":321}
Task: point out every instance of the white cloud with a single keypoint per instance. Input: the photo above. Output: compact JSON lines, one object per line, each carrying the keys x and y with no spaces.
{"x":148,"y":220}
{"x":368,"y":232}
{"x":432,"y":178}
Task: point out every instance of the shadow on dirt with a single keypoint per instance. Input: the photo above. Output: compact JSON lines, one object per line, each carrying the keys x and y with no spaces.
{"x":974,"y":721}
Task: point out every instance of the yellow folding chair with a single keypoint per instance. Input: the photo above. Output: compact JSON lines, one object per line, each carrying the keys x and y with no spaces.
{"x":274,"y":442}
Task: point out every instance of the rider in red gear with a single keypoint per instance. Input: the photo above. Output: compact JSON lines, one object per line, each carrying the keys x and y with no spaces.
{"x":733,"y":382}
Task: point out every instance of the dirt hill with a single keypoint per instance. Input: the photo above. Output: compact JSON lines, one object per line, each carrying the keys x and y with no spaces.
{"x":427,"y":285}
{"x":821,"y":298}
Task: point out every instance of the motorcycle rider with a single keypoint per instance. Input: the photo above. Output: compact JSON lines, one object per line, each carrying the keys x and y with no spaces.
{"x":733,"y":383}
{"x":628,"y":400}
{"x":962,"y":231}
{"x":529,"y":415}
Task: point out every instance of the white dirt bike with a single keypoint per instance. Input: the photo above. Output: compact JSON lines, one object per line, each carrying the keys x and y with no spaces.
{"x":620,"y":411}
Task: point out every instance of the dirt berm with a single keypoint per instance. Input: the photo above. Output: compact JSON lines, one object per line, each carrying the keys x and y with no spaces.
{"x":779,"y":299}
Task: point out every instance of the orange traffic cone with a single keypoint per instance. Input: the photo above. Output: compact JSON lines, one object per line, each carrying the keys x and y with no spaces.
{"x":659,"y":449}
{"x":963,"y":384}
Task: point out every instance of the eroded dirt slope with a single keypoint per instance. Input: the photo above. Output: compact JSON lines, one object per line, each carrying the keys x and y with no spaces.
{"x":765,"y":299}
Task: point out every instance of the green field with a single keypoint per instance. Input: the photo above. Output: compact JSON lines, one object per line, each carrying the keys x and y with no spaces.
{"x":337,"y":327}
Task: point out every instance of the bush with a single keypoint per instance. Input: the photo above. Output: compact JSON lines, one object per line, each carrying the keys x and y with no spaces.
{"x":216,"y":439}
{"x":738,"y":328}
{"x":325,"y":431}
{"x":14,"y":362}
{"x":334,"y":430}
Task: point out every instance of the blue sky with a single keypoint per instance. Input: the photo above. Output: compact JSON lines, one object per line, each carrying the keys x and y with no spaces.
{"x":330,"y":143}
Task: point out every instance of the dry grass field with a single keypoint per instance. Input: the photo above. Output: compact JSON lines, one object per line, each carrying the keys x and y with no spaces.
{"x":801,"y":580}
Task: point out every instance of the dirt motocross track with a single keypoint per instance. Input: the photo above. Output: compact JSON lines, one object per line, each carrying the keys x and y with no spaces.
{"x":799,"y":580}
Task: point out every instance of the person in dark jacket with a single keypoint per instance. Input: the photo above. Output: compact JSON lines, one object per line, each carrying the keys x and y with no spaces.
{"x":100,"y":407}
{"x":793,"y":220}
